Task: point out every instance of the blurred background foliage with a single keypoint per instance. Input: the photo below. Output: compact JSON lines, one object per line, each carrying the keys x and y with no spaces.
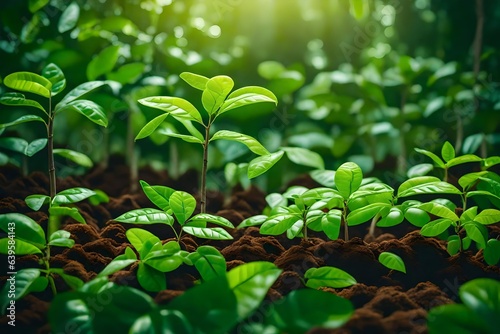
{"x":361,"y":80}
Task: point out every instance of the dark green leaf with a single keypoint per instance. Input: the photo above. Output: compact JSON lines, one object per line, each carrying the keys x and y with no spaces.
{"x":21,"y":283}
{"x":151,"y":279}
{"x":26,"y":229}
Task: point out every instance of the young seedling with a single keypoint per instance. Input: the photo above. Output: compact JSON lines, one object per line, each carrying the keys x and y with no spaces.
{"x":179,"y":205}
{"x":328,"y":277}
{"x":392,"y":261}
{"x":23,"y":148}
{"x":217,"y":99}
{"x":25,"y":237}
{"x":49,"y":84}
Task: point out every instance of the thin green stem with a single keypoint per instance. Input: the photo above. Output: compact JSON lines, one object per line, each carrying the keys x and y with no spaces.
{"x":344,"y":220}
{"x":50,"y":150}
{"x":47,"y":267}
{"x":203,"y":190}
{"x":304,"y":219}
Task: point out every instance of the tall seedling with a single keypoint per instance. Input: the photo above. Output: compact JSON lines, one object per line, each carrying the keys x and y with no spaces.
{"x":217,"y":99}
{"x":48,"y":85}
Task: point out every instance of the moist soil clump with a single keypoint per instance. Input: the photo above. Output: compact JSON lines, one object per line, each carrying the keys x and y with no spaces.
{"x":386,"y":301}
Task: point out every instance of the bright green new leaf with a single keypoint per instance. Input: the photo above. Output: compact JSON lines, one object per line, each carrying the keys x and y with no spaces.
{"x":453,"y":245}
{"x":159,"y":195}
{"x":72,"y":195}
{"x":488,"y":217}
{"x":177,"y":107}
{"x":55,"y":75}
{"x":79,"y":92}
{"x":209,"y":262}
{"x":437,"y":187}
{"x":61,"y":211}
{"x":138,"y":237}
{"x":463,"y":159}
{"x":247,"y":96}
{"x":250,"y":283}
{"x":437,"y":160}
{"x":19,"y":100}
{"x":417,"y":217}
{"x":477,"y":233}
{"x":22,"y":247}
{"x":392,"y":261}
{"x":146,"y":216}
{"x":248,"y":141}
{"x":218,"y":220}
{"x":35,"y":202}
{"x":215,"y":233}
{"x":304,"y":157}
{"x":416,"y":181}
{"x":104,"y":62}
{"x":215,"y":92}
{"x":26,"y":229}
{"x":468,"y":215}
{"x":151,"y":126}
{"x":296,"y":230}
{"x":69,"y":18}
{"x":262,"y":164}
{"x":331,"y":223}
{"x":275,"y":200}
{"x":364,"y":214}
{"x":29,"y":82}
{"x":61,"y":238}
{"x":253,"y":221}
{"x":348,"y":179}
{"x":328,"y":277}
{"x":194,"y":80}
{"x":393,"y":218}
{"x":435,"y":227}
{"x":439,"y":210}
{"x":182,"y":205}
{"x":151,"y":279}
{"x":25,"y":281}
{"x":89,"y":109}
{"x":189,"y":139}
{"x":304,"y":309}
{"x":469,"y":179}
{"x":447,"y":152}
{"x":278,"y":224}
{"x":76,"y":157}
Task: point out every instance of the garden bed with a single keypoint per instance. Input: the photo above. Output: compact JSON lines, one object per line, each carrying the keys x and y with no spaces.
{"x":386,"y":301}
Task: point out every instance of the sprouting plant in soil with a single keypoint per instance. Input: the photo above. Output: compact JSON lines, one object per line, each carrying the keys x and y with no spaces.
{"x":177,"y":206}
{"x":26,"y":237}
{"x":48,"y":85}
{"x":217,"y":99}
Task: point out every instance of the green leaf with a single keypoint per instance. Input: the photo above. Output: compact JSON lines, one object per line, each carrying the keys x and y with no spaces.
{"x":438,"y":187}
{"x":61,"y":211}
{"x":488,"y":217}
{"x":177,"y":107}
{"x":393,"y":218}
{"x":348,"y":178}
{"x":215,"y":233}
{"x":492,"y":252}
{"x":453,"y":246}
{"x":138,"y":237}
{"x":151,"y":126}
{"x":270,"y":69}
{"x":159,"y":195}
{"x":151,"y":279}
{"x":215,"y":92}
{"x":253,"y":221}
{"x":366,"y":213}
{"x":275,"y":200}
{"x":304,"y":309}
{"x":182,"y":205}
{"x":455,"y":318}
{"x":248,"y":141}
{"x":194,"y":80}
{"x":447,"y":152}
{"x":324,"y":177}
{"x":23,"y":283}
{"x":89,"y":109}
{"x":36,"y":5}
{"x":439,"y":210}
{"x":471,"y":143}
{"x":262,"y":164}
{"x":463,"y":160}
{"x":250,"y":283}
{"x":79,"y":92}
{"x":18,"y":100}
{"x":469,"y":179}
{"x":119,"y":263}
{"x":468,"y":215}
{"x":218,"y":220}
{"x":69,"y":18}
{"x":419,"y":170}
{"x":304,"y":157}
{"x":29,"y":82}
{"x":26,"y":229}
{"x":476,"y":233}
{"x":278,"y":224}
{"x":437,"y":160}
{"x":35,"y":202}
{"x":146,"y":216}
{"x":169,"y":258}
{"x":435,"y":227}
{"x":417,"y":217}
{"x":22,"y":247}
{"x":56,"y":76}
{"x":331,"y":222}
{"x":443,"y":71}
{"x":61,"y":239}
{"x":187,"y":138}
{"x":72,"y":281}
{"x":72,"y":195}
{"x":328,"y":277}
{"x":23,"y":119}
{"x":104,"y":62}
{"x":247,"y":96}
{"x":482,"y":297}
{"x":392,"y":261}
{"x":209,"y":262}
{"x":128,"y":73}
{"x":77,"y":157}
{"x":22,"y":146}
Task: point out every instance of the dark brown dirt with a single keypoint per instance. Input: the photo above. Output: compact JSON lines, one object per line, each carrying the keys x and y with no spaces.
{"x":386,"y":301}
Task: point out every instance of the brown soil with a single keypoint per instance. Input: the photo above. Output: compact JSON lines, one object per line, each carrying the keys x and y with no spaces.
{"x":386,"y":301}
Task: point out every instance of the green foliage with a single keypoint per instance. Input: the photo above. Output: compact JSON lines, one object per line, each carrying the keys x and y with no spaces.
{"x":478,"y":313}
{"x":181,"y":206}
{"x":392,"y":261}
{"x":328,"y":277}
